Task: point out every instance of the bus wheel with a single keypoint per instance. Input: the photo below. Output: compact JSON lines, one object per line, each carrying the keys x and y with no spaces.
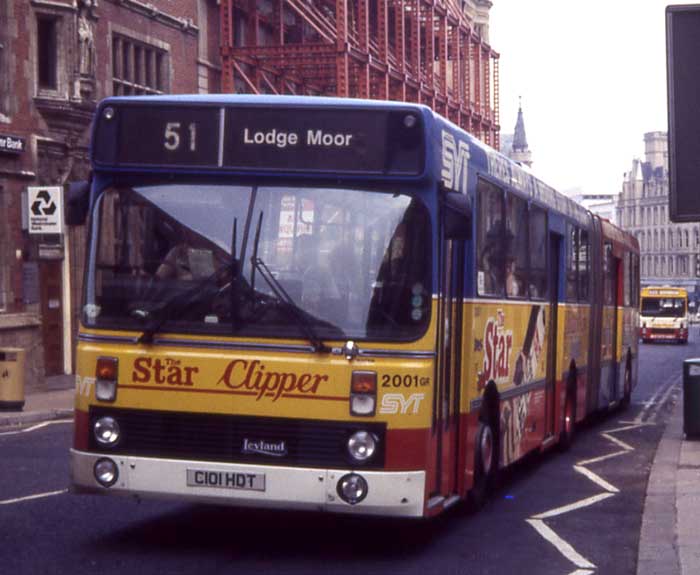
{"x":485,"y":458}
{"x":566,"y":437}
{"x":627,"y":388}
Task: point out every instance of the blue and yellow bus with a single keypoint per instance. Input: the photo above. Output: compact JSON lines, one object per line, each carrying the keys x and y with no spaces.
{"x":331,"y":304}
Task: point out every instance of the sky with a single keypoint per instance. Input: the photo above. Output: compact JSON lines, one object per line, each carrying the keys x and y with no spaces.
{"x":592,"y":78}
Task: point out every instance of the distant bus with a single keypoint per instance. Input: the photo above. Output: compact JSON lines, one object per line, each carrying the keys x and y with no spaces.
{"x":330,"y":304}
{"x":664,"y":314}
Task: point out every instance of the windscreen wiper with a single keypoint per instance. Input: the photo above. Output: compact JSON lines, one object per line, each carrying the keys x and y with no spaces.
{"x":282,"y":295}
{"x":178,"y":302}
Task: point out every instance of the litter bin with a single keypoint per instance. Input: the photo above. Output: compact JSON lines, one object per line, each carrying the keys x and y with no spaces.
{"x":691,"y":397}
{"x":11,"y":379}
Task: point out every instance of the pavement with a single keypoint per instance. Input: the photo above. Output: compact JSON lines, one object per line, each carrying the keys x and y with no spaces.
{"x":669,"y":543}
{"x":55,"y":402}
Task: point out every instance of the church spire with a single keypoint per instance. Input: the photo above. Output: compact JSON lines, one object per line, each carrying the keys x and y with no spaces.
{"x":521,"y":152}
{"x":520,"y":139}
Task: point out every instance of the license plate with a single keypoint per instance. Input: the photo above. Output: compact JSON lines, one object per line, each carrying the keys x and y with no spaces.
{"x":226,"y":479}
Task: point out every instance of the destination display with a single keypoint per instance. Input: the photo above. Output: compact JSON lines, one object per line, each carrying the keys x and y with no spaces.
{"x":279,"y":139}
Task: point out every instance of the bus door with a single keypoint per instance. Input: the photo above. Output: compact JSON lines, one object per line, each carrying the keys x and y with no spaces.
{"x":450,"y":343}
{"x":610,"y":298}
{"x":555,"y":241}
{"x":597,"y":306}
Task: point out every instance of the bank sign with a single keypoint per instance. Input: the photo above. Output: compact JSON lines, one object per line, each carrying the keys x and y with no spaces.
{"x":12,"y":144}
{"x":45,"y":209}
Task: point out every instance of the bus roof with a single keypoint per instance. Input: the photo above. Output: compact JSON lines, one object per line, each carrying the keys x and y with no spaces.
{"x":385,"y":148}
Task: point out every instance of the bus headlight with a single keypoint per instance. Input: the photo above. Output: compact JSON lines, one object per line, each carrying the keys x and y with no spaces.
{"x":363,"y":393}
{"x":107,"y":432}
{"x":106,"y":375}
{"x":106,"y":472}
{"x":352,"y":488}
{"x":362,"y":445}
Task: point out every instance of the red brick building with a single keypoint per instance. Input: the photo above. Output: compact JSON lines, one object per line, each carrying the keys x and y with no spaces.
{"x":57,"y":59}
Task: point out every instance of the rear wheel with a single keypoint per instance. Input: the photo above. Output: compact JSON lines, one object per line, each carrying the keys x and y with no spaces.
{"x":485,"y":458}
{"x":566,"y":437}
{"x":627,"y":389}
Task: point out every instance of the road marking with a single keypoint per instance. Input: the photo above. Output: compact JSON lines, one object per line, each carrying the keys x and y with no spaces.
{"x":31,"y":497}
{"x":35,"y":427}
{"x":596,"y":479}
{"x":663,"y":400}
{"x":664,"y":389}
{"x":602,"y":457}
{"x":584,"y":566}
{"x":562,"y":546}
{"x":619,"y":442}
{"x":587,"y":502}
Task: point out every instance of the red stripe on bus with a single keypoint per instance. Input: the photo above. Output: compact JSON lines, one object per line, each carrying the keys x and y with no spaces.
{"x":81,"y":430}
{"x":231,"y":392}
{"x":407,"y":449}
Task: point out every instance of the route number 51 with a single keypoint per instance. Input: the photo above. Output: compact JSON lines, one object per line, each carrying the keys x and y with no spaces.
{"x":172,"y":139}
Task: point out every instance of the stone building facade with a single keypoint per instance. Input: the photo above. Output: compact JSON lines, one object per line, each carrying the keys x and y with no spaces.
{"x":58,"y":58}
{"x":668,"y":250}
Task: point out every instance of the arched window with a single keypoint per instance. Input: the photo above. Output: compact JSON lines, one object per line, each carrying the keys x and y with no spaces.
{"x":670,"y":266}
{"x":670,"y":239}
{"x":663,"y":240}
{"x":687,"y":241}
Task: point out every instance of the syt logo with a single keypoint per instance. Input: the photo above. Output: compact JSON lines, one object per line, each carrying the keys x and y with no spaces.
{"x":397,"y":403}
{"x":84,"y":385}
{"x":455,"y":158}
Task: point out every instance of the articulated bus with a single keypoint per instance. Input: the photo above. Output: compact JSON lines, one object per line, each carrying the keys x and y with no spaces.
{"x":664,"y":314}
{"x":329,"y":304}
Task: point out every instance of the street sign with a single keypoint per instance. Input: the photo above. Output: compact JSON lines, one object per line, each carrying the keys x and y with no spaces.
{"x":45,"y":209}
{"x":683,"y":77}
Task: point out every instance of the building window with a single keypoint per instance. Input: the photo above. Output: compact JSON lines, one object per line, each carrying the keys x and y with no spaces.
{"x":138,"y":68}
{"x":47,"y":53}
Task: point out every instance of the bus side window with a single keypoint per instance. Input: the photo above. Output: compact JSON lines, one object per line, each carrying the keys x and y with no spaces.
{"x":583,"y":277}
{"x":571,"y":263}
{"x":517,"y":250}
{"x":608,"y":277}
{"x":491,"y":241}
{"x":537,"y":248}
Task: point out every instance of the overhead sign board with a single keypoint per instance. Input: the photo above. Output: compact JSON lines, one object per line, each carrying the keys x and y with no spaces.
{"x":321,"y":140}
{"x":683,"y":76}
{"x":45,"y":209}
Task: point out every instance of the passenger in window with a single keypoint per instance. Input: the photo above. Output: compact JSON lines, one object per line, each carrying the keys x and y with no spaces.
{"x":496,"y":259}
{"x":514,"y":287}
{"x":184,"y":262}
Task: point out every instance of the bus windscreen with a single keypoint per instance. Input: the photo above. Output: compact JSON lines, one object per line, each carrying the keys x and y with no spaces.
{"x":663,"y":307}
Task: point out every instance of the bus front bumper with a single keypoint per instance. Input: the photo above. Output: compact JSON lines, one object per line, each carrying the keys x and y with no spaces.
{"x":397,"y":493}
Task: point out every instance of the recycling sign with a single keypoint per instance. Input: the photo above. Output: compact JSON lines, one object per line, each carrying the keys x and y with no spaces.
{"x":45,"y":208}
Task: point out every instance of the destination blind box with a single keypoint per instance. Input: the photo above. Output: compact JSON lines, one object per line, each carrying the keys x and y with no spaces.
{"x":337,"y":141}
